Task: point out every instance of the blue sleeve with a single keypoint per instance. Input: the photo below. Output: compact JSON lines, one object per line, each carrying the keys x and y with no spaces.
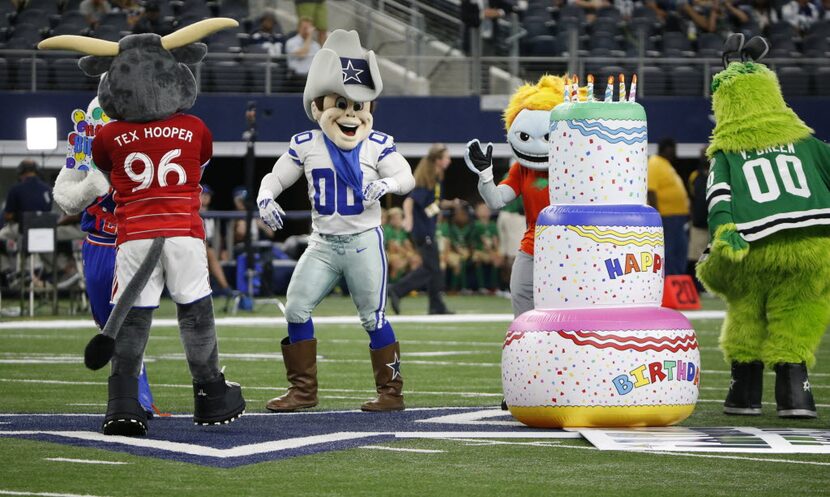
{"x":12,"y":201}
{"x":422,"y":196}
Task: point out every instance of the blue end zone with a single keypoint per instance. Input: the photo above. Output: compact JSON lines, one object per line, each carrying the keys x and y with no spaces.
{"x":258,"y":437}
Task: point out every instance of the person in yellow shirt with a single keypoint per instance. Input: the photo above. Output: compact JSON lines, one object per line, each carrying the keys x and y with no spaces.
{"x":667,"y":194}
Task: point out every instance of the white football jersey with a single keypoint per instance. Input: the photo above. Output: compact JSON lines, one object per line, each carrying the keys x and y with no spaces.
{"x":334,"y":208}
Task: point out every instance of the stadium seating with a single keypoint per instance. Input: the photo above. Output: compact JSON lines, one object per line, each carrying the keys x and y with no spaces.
{"x":548,"y":33}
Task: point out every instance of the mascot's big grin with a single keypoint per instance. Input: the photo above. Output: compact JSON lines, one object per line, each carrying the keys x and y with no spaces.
{"x":528,"y":138}
{"x":344,"y":121}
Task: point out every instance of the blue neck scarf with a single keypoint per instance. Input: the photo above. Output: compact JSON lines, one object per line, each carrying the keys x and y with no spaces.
{"x":347,"y":166}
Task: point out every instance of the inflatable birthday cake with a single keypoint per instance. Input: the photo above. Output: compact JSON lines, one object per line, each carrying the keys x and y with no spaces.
{"x":598,"y":350}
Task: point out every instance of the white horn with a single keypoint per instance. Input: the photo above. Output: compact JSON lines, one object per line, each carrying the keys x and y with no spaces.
{"x":197,"y":31}
{"x":83,"y":44}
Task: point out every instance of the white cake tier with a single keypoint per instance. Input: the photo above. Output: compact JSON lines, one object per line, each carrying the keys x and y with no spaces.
{"x":598,"y":255}
{"x":598,"y":153}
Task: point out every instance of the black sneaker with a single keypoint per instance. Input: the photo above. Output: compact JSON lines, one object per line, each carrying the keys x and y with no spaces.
{"x":217,"y":402}
{"x":793,"y":392}
{"x":125,"y":416}
{"x":504,"y":405}
{"x":394,"y":300}
{"x":745,"y":389}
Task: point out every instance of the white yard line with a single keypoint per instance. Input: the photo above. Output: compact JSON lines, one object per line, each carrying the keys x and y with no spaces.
{"x":280,"y":321}
{"x":742,"y":458}
{"x":84,"y":461}
{"x":42,"y":494}
{"x":684,"y":454}
{"x":403,"y":449}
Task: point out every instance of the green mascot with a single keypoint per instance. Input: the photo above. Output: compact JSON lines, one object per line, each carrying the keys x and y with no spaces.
{"x":768,"y":194}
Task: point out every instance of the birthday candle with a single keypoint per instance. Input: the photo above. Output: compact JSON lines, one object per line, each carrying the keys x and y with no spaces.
{"x":590,"y":87}
{"x":622,"y":87}
{"x":609,"y":90}
{"x":632,"y":93}
{"x":575,"y":89}
{"x":567,"y":90}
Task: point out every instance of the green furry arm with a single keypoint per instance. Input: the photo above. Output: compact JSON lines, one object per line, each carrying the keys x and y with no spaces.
{"x":719,"y":194}
{"x":729,"y":242}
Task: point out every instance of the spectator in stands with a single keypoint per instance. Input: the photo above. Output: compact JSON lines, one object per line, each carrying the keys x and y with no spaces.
{"x":131,"y":8}
{"x":399,"y":249}
{"x":487,"y":256}
{"x":151,"y":21}
{"x":825,"y":8}
{"x":762,"y":14}
{"x":667,"y":194}
{"x":485,"y":15}
{"x":801,"y":14}
{"x":269,"y":33}
{"x":699,"y":232}
{"x":94,"y":10}
{"x":708,"y":16}
{"x":459,"y":231}
{"x":301,"y":49}
{"x":421,"y":209}
{"x":590,"y":7}
{"x":30,"y":194}
{"x":317,"y":13}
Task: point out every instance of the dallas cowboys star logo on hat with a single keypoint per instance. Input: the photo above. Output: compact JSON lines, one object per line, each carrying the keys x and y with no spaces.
{"x":356,"y":72}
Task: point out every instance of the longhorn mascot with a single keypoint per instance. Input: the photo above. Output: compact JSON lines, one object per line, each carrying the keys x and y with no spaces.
{"x":527,"y":121}
{"x":768,"y":193}
{"x":153,"y":156}
{"x":349,"y":166}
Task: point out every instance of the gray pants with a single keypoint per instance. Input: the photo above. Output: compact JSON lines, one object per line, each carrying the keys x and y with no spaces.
{"x":360,"y":258}
{"x":521,"y":284}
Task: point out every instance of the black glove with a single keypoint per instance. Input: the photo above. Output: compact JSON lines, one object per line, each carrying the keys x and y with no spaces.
{"x":478,"y":161}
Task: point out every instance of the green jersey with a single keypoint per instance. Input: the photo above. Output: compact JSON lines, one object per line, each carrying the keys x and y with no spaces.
{"x":392,"y":234}
{"x":480,"y":232}
{"x":459,"y":235}
{"x":769,"y":190}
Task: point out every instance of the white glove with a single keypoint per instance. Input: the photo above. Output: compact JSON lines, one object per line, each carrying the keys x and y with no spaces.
{"x":271,"y":213}
{"x":378,"y":188}
{"x":478,"y":161}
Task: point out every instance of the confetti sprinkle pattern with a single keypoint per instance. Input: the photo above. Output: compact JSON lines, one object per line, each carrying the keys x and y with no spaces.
{"x":548,"y":368}
{"x":588,"y":169}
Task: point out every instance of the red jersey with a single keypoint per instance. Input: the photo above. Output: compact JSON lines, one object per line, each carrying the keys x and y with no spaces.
{"x":155,"y":169}
{"x":532,"y":185}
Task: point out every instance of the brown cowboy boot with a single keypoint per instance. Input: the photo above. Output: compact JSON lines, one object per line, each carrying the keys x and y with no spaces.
{"x":301,"y":370}
{"x":387,"y":366}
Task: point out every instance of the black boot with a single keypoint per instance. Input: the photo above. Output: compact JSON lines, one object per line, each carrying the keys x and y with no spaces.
{"x":745,"y":389}
{"x":217,"y":402}
{"x":125,"y":416}
{"x":793,"y":393}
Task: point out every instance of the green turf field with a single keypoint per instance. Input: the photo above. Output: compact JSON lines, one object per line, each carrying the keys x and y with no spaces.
{"x":41,"y":371}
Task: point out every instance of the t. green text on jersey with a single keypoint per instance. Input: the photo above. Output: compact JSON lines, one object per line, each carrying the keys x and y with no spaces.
{"x":772,"y":189}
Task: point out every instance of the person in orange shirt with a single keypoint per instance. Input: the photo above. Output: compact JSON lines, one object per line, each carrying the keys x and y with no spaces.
{"x":527,"y":121}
